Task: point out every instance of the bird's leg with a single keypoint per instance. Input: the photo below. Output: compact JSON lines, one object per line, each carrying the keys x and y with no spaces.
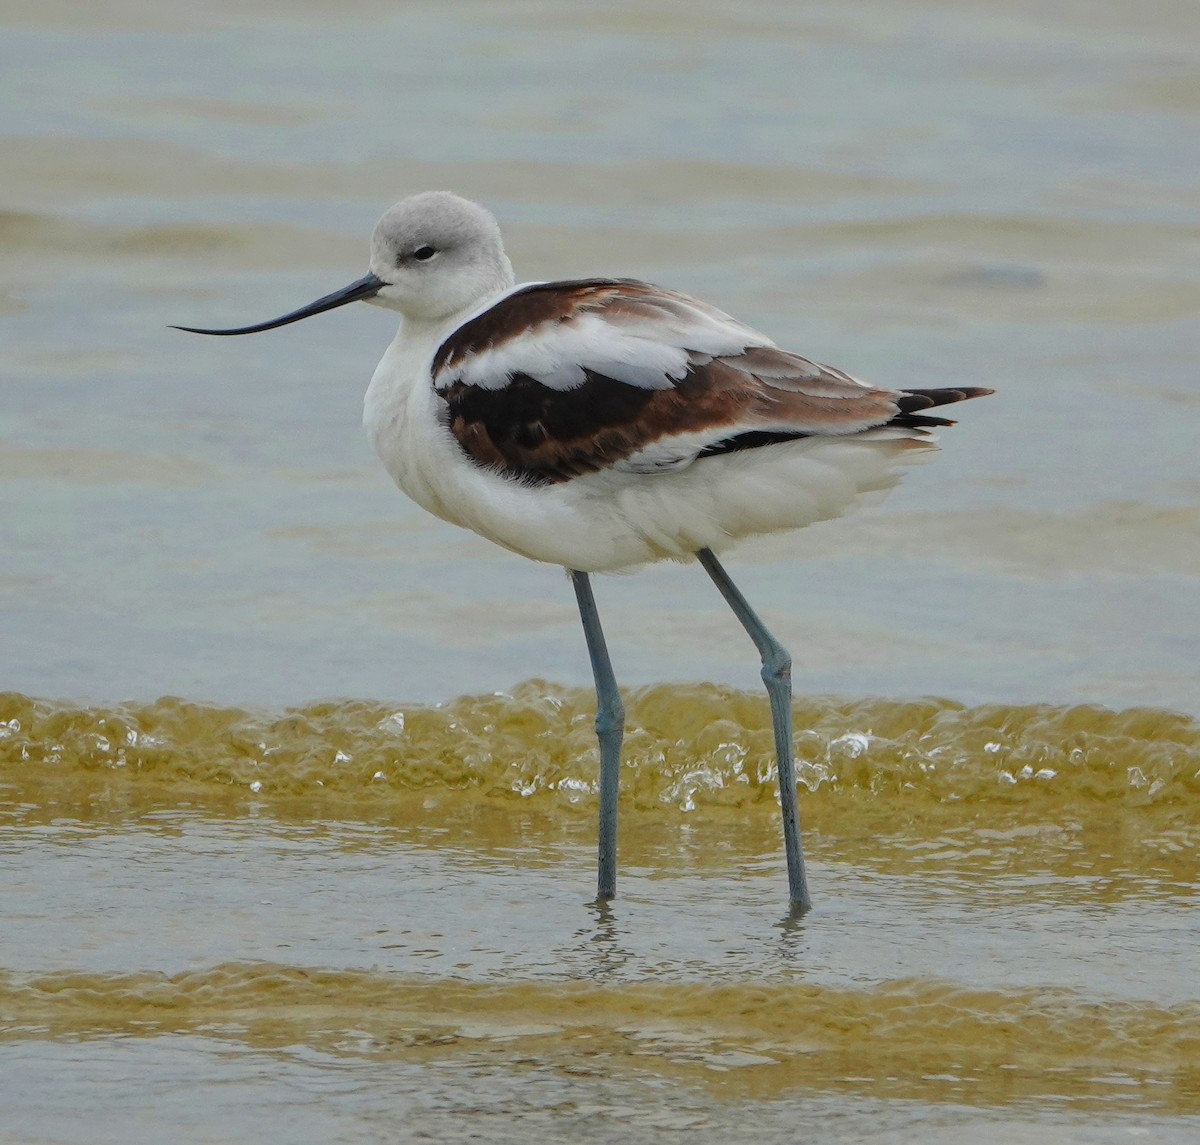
{"x":777,"y":675}
{"x":610,"y":728}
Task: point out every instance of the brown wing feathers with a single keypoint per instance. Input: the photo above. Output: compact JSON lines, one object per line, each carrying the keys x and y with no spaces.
{"x":548,"y":434}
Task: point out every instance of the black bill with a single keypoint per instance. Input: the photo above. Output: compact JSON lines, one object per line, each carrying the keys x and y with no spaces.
{"x":366,"y":287}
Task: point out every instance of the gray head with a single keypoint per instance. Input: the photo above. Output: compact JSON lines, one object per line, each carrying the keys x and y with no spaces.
{"x":438,"y":255}
{"x":433,"y":256}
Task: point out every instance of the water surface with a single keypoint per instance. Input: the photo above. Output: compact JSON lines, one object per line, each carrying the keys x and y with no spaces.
{"x":252,"y":913}
{"x":397,"y":898}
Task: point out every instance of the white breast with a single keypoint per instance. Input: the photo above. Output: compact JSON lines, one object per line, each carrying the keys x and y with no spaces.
{"x":400,"y":417}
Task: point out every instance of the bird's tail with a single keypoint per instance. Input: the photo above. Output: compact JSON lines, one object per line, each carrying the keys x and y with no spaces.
{"x":911,"y":401}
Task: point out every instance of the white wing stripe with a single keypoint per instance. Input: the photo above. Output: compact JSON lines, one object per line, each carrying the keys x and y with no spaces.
{"x":652,"y":349}
{"x":557,"y":355}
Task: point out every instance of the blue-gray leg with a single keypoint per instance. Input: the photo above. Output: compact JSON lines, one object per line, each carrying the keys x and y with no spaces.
{"x":610,"y":728}
{"x":777,"y":675}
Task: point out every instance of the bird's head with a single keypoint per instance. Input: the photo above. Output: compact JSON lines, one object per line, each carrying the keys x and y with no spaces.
{"x":433,"y":256}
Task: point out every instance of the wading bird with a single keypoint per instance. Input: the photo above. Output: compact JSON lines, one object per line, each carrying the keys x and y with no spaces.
{"x":604,"y":423}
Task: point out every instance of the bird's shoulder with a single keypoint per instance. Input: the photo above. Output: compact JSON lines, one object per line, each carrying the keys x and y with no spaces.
{"x":634,"y":331}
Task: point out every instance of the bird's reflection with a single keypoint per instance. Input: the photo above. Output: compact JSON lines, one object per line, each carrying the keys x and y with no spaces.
{"x":601,"y":949}
{"x":792,"y":940}
{"x":602,"y":941}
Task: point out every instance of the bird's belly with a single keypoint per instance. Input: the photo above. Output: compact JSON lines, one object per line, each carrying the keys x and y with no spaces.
{"x":631,"y":519}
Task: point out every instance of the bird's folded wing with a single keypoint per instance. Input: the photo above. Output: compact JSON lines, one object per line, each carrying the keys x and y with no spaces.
{"x":562,"y":379}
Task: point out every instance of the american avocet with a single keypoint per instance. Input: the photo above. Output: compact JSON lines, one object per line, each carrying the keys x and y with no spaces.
{"x":603,"y":423}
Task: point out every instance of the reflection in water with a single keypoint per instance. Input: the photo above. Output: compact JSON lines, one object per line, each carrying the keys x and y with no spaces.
{"x":602,"y":953}
{"x":791,"y":936}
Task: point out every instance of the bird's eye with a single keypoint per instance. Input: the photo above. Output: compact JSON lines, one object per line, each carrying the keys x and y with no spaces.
{"x":424,"y":253}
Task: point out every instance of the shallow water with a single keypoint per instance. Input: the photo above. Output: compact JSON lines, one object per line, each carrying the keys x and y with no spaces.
{"x":384,"y":909}
{"x":228,"y":917}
